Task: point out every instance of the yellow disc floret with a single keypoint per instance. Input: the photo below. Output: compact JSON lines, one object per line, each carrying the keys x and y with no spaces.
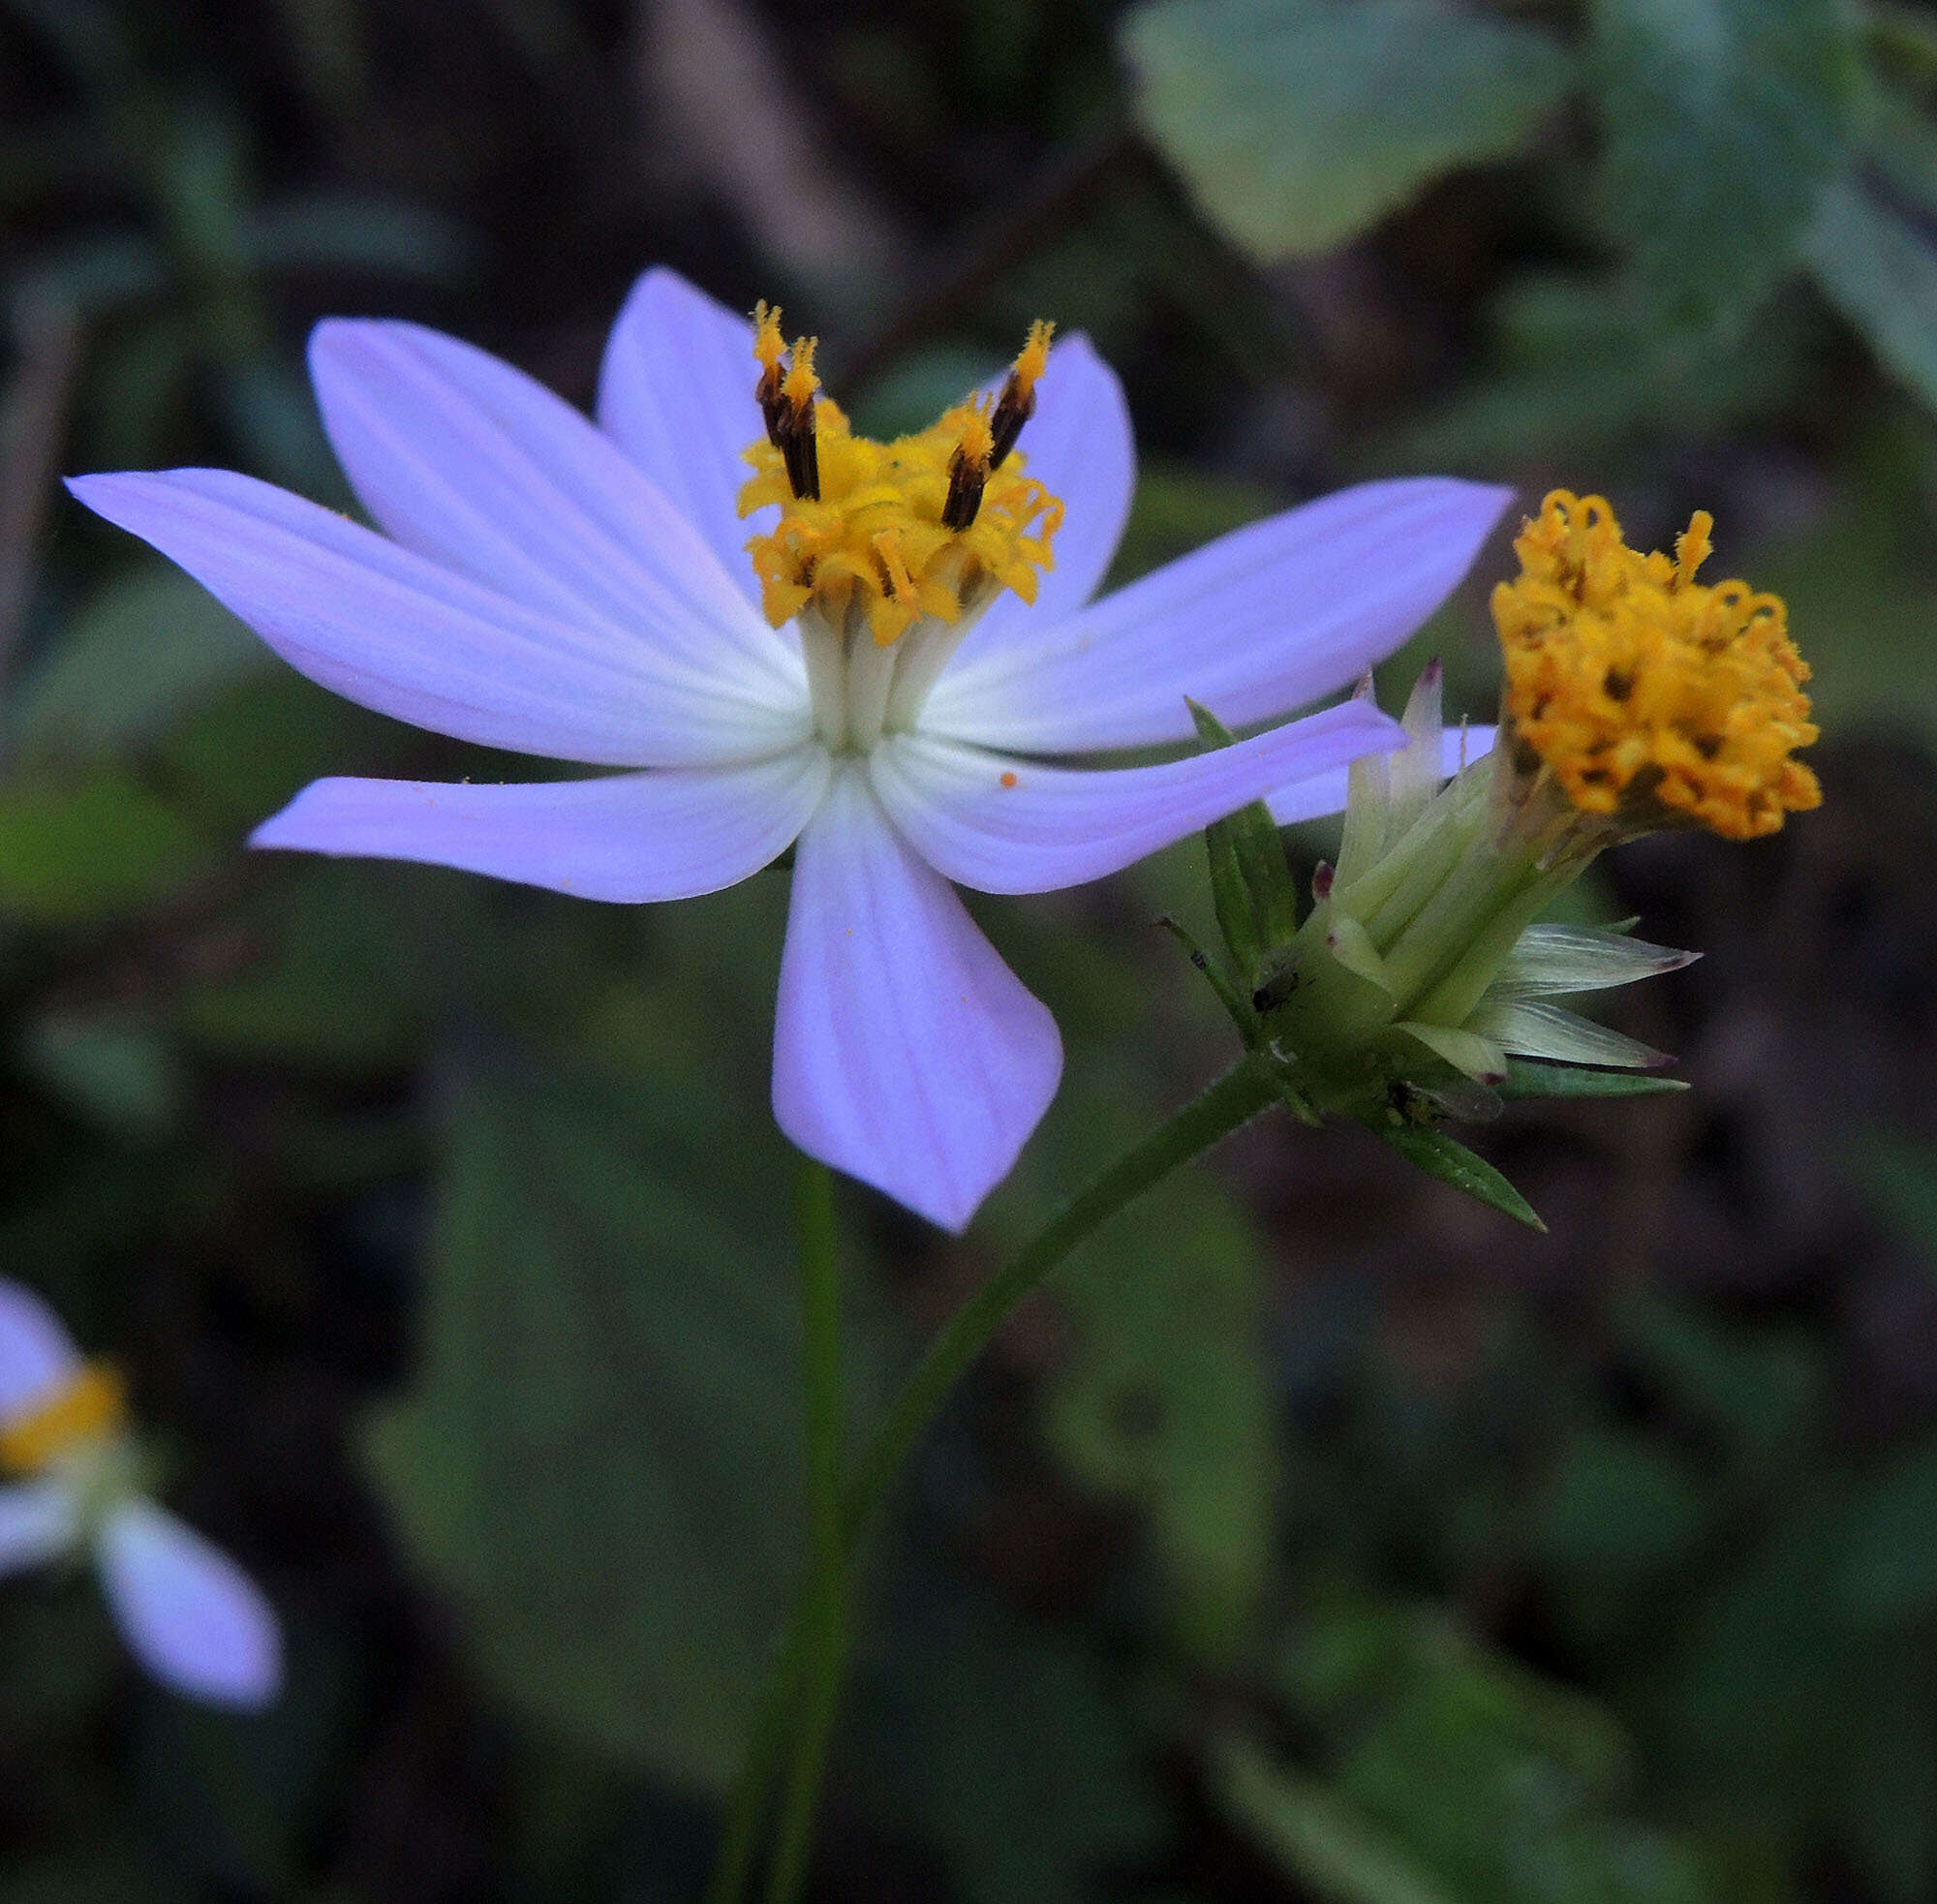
{"x":932,"y":523}
{"x":89,"y":1408}
{"x":1643,"y":692}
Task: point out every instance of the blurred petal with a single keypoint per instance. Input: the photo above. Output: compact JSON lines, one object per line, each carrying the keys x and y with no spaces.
{"x":906,"y":1052}
{"x":190,"y":1615}
{"x":676,"y":392}
{"x":1319,"y":794}
{"x":37,"y":1522}
{"x":37,"y":1354}
{"x":1004,"y":825}
{"x":1258,"y":623}
{"x":478,"y":467}
{"x":631,"y":837}
{"x":397,"y":632}
{"x":1078,"y":445}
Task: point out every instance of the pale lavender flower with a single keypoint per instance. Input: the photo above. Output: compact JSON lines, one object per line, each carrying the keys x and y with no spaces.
{"x":192,"y":1616}
{"x":584,"y":591}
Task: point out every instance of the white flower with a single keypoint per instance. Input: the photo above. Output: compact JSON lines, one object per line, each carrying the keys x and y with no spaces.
{"x":188,"y":1613}
{"x":585,"y":593}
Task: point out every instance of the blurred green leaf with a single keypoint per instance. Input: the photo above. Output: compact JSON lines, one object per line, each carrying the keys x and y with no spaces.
{"x":80,"y":851}
{"x":1898,"y":1178}
{"x":144,"y":652}
{"x":1726,"y":120}
{"x":598,"y":1459}
{"x":119,"y":1070}
{"x":1299,"y":123}
{"x":1759,"y":1387}
{"x":1890,"y":1566}
{"x":1618,"y":1504}
{"x":1314,"y":1837}
{"x":1880,"y":273}
{"x":1175,"y":509}
{"x":1166,"y":1400}
{"x":1013,"y":1751}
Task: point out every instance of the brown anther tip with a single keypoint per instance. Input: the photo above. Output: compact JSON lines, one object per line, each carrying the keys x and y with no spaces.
{"x":1322,"y":877}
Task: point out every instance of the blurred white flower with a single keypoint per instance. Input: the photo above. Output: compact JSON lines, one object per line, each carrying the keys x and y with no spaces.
{"x":190,"y":1615}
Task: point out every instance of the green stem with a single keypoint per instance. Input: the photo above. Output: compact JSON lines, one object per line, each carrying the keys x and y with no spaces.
{"x":824,"y":1629}
{"x":1234,"y":1099}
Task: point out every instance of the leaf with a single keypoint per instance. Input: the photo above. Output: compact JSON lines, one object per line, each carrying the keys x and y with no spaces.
{"x":1618,"y":1505}
{"x":1300,"y":123}
{"x":1441,"y":1156}
{"x":1725,"y":121}
{"x":1881,"y":275}
{"x":1314,"y":1837}
{"x":144,"y":652}
{"x":1251,"y":879}
{"x":1890,"y":1566}
{"x":1166,"y":1400}
{"x":78,"y":852}
{"x":1529,"y":1079}
{"x":116,"y":1069}
{"x":1013,"y":1750}
{"x":600,"y":1460}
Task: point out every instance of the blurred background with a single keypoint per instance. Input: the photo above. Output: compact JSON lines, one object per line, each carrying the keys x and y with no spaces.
{"x":1319,"y":1535}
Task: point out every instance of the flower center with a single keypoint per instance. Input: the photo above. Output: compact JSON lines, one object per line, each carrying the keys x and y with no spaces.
{"x":886,"y":552}
{"x":1645,"y":693}
{"x":87,"y":1411}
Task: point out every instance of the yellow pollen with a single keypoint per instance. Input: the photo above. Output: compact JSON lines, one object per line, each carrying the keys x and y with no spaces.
{"x":977,"y":440}
{"x":1034,"y":356}
{"x":90,"y":1409}
{"x":882,"y":542}
{"x":768,"y":346}
{"x":800,"y":383}
{"x":1643,"y":690}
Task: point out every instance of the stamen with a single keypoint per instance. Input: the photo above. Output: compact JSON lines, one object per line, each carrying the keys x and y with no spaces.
{"x":969,"y":468}
{"x":886,"y":535}
{"x":89,"y":1408}
{"x":1017,"y":404}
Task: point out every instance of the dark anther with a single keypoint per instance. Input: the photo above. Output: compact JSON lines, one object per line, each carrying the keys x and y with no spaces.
{"x":800,"y":449}
{"x":966,"y":477}
{"x":1013,"y":408}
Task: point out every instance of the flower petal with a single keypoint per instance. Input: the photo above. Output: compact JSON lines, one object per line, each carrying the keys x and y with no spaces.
{"x":906,"y":1052}
{"x":38,"y":1523}
{"x":1002,"y":826}
{"x":478,"y":467}
{"x":1264,"y":620}
{"x":676,"y":392}
{"x":37,"y":1354}
{"x":1080,"y":447}
{"x":400,"y":633}
{"x":629,"y":838}
{"x":1319,"y":794}
{"x":191,"y":1615}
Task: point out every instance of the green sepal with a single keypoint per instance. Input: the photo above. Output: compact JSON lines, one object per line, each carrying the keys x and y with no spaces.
{"x":1229,"y":995}
{"x":1439,"y":1155}
{"x":1531,"y":1078}
{"x":1251,"y":877}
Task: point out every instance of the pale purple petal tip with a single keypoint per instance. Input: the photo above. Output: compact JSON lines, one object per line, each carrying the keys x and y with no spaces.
{"x":39,"y":1522}
{"x":37,"y":1354}
{"x":190,"y":1615}
{"x":906,"y":1052}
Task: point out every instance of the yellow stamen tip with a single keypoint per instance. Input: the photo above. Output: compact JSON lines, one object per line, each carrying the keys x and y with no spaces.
{"x":978,"y":442}
{"x":91,"y":1407}
{"x":768,"y":345}
{"x":800,"y":383}
{"x":1034,"y":356}
{"x":1643,"y":692}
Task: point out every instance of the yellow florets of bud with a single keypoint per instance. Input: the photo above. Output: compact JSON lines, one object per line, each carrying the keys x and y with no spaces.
{"x":91,"y":1407}
{"x":896,"y":531}
{"x":800,"y":382}
{"x":1645,"y":693}
{"x":769,"y":346}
